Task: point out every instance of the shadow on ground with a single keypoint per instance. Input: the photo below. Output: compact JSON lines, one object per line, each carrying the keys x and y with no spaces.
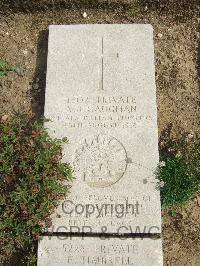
{"x":39,"y":81}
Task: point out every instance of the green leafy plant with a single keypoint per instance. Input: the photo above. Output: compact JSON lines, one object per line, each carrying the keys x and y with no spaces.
{"x":179,"y":170}
{"x":5,"y":68}
{"x":32,"y":181}
{"x":30,"y":259}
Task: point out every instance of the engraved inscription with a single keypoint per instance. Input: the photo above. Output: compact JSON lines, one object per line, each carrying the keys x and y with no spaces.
{"x":116,"y":112}
{"x":100,"y":160}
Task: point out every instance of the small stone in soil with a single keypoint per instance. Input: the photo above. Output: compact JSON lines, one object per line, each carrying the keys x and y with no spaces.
{"x":85,"y":15}
{"x":19,"y":70}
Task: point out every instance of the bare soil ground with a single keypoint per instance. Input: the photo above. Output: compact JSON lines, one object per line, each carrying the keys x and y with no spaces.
{"x":23,"y":40}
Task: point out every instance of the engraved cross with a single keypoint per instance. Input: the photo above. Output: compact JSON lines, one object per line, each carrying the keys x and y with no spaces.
{"x":101,"y":70}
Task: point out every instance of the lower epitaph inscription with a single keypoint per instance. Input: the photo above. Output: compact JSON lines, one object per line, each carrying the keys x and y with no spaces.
{"x":64,"y":251}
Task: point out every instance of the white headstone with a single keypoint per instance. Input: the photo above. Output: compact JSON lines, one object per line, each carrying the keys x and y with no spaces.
{"x":101,"y":95}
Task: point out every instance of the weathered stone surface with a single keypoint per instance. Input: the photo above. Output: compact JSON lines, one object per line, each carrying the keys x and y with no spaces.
{"x":101,"y":94}
{"x":96,"y":251}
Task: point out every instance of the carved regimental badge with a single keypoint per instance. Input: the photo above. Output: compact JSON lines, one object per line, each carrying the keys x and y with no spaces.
{"x":100,"y":160}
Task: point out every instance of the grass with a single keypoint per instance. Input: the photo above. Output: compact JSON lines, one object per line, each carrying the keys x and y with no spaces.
{"x":5,"y":68}
{"x":179,"y":170}
{"x":31,"y":185}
